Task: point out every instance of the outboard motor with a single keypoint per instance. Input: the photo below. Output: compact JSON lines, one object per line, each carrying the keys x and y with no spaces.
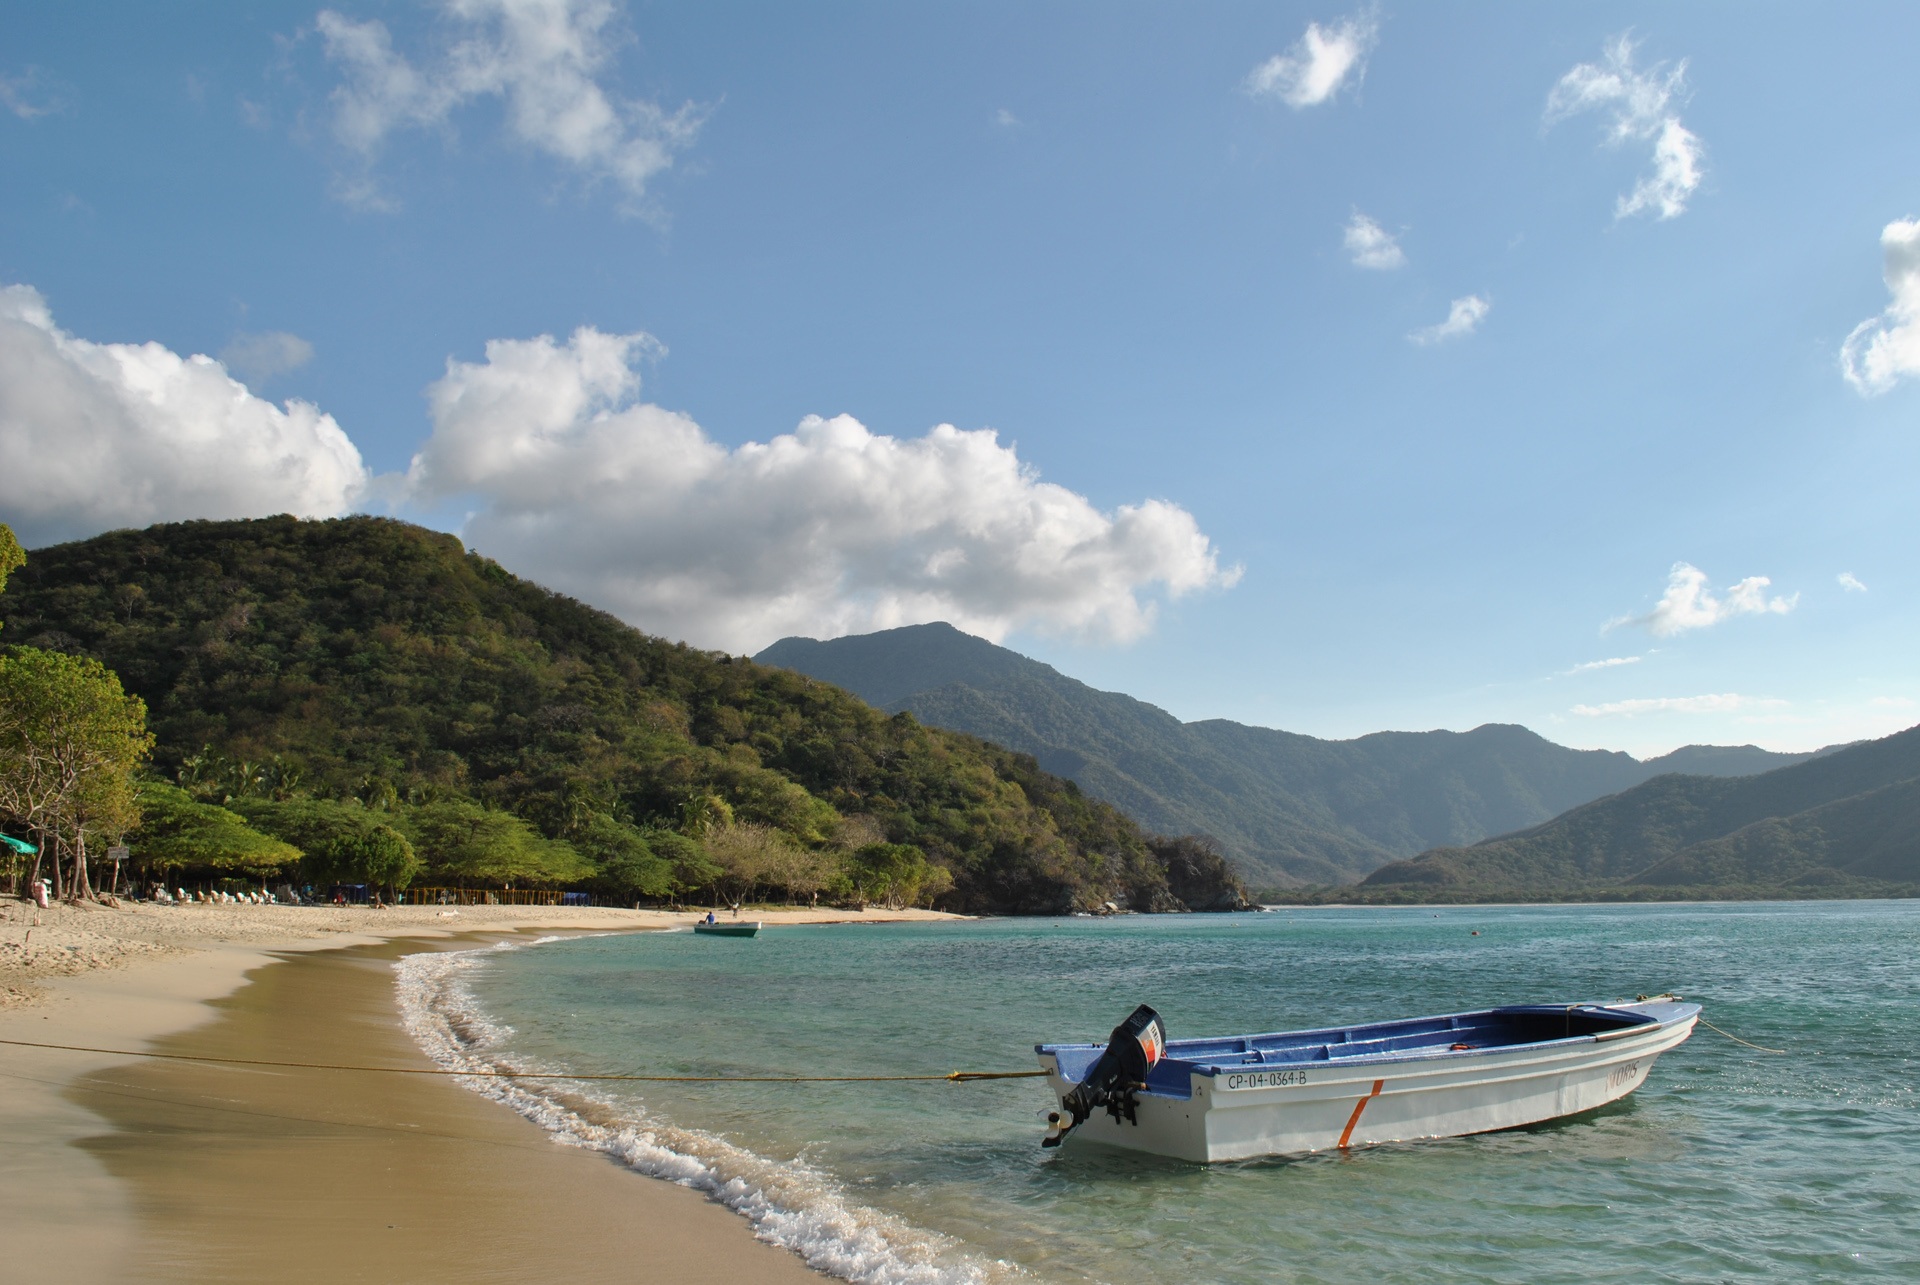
{"x":1133,"y":1049}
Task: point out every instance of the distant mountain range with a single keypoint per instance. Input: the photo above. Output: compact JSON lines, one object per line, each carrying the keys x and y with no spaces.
{"x":1290,"y":809}
{"x":1844,"y":821}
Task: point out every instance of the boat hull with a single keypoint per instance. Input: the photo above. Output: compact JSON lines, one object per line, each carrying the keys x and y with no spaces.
{"x":729,"y":929}
{"x":1281,"y":1110}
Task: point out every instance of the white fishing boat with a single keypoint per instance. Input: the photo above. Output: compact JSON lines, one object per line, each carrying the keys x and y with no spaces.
{"x":1291,"y":1092}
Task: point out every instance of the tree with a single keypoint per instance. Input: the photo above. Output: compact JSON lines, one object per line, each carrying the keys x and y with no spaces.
{"x":12,"y":558}
{"x":692,"y":866}
{"x":70,"y":739}
{"x":753,"y":856}
{"x":1198,"y":874}
{"x":383,"y":857}
{"x":703,"y":814}
{"x":896,"y":875}
{"x":177,"y":831}
{"x":747,"y":856}
{"x":465,"y":841}
{"x":328,"y":832}
{"x":627,"y":865}
{"x":345,"y":842}
{"x":803,"y":873}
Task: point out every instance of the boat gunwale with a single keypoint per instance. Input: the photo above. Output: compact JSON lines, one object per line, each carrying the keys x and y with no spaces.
{"x":1646,"y":1026}
{"x":1498,"y":1071}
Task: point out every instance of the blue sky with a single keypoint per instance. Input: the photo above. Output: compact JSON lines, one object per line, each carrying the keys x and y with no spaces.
{"x":1192,"y":267}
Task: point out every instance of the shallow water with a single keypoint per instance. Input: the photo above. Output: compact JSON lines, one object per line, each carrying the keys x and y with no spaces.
{"x":1729,"y":1164}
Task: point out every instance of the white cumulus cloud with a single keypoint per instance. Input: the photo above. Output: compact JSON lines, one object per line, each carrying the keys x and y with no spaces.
{"x":1371,"y":245}
{"x":1640,"y":107}
{"x":541,"y":58}
{"x":1850,"y":582}
{"x":1883,"y":349}
{"x":827,"y":530}
{"x":259,"y":357}
{"x":99,"y":436}
{"x":1463,"y":318}
{"x":1689,"y":603}
{"x":1719,"y":703}
{"x":1319,"y":63}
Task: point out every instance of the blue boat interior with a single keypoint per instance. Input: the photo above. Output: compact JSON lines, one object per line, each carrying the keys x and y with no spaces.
{"x":1419,"y":1037}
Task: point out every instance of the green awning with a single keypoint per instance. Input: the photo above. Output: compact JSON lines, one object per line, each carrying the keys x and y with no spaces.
{"x":20,"y":846}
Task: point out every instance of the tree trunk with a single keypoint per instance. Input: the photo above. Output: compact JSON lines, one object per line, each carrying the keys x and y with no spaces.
{"x":58,"y":882}
{"x":82,"y":889}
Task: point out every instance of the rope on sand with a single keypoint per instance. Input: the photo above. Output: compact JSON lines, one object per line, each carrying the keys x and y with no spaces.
{"x":952,"y":1077}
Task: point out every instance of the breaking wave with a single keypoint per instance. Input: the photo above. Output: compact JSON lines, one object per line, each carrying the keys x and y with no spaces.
{"x":788,"y":1203}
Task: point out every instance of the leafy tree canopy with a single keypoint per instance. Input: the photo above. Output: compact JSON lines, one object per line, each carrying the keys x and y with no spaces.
{"x":627,"y":867}
{"x":179,"y":832}
{"x":12,"y":556}
{"x":70,"y":739}
{"x":465,"y":842}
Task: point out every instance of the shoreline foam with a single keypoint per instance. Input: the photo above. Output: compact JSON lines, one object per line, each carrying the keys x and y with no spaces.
{"x":787,"y":1203}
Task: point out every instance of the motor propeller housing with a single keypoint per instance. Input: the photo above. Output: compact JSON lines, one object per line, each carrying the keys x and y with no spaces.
{"x":1135,"y":1048}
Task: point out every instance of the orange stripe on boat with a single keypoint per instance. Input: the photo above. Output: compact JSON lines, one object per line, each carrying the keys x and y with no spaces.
{"x":1358,"y":1107}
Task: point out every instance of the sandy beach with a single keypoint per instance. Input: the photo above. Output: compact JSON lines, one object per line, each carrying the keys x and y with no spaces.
{"x":124,"y":1168}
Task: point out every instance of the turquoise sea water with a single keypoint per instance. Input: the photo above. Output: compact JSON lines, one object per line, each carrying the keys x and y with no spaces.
{"x":1730,"y":1164}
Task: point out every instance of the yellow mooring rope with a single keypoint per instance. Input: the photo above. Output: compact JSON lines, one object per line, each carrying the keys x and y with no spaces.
{"x":1716,"y":1030}
{"x":1736,"y":1039}
{"x":953,"y":1077}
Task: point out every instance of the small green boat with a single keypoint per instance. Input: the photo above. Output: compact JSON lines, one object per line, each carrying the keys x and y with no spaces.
{"x":730,"y":928}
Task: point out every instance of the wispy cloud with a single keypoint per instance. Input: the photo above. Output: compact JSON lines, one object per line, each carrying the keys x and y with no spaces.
{"x":1463,"y":318}
{"x":1689,"y":603}
{"x":1721,"y":703}
{"x":1850,"y":582}
{"x":1007,"y":120}
{"x":1612,"y":662}
{"x":1884,"y":349}
{"x":1319,"y":63}
{"x":30,"y":95}
{"x":1641,"y":107}
{"x":1372,"y":246}
{"x":542,"y":58}
{"x":258,"y":358}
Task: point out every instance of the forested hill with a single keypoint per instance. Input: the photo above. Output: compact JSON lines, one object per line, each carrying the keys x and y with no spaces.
{"x":1288,"y":808}
{"x":377,"y":660}
{"x":1847,"y":822}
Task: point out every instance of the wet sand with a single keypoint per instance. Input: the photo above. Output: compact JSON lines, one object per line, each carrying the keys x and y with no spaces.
{"x":117,"y":1168}
{"x":249,"y":1174}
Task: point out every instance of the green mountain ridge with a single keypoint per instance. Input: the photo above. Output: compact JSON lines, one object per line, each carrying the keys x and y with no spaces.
{"x":1290,"y":809}
{"x":1847,"y":817}
{"x":375,"y":660}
